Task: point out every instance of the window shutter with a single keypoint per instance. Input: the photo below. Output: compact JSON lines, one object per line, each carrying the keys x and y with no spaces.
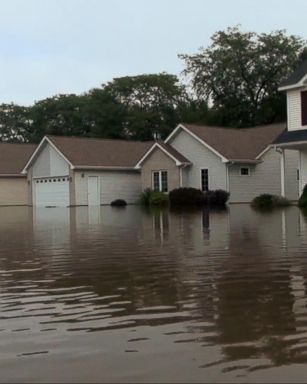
{"x":304,"y":107}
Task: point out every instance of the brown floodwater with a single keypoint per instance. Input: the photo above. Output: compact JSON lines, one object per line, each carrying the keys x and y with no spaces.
{"x":125,"y":295}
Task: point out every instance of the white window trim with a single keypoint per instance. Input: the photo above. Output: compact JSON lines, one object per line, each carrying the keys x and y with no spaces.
{"x":249,"y":171}
{"x":201,"y":179}
{"x":160,"y":179}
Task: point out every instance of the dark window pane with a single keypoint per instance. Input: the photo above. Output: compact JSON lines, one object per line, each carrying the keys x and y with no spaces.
{"x":204,"y":180}
{"x":304,"y":107}
{"x":164,"y":180}
{"x":244,"y":171}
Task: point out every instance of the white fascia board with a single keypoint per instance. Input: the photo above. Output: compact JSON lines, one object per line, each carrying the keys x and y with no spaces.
{"x":44,"y":139}
{"x":101,"y":168}
{"x":263,"y":152}
{"x":181,"y":126}
{"x":299,"y":84}
{"x":151,"y":149}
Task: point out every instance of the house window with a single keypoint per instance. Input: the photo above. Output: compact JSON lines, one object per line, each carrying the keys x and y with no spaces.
{"x":304,"y":107}
{"x":204,"y":180}
{"x":160,"y":181}
{"x":244,"y":171}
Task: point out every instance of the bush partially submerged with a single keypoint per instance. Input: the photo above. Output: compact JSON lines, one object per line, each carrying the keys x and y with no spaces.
{"x":217,"y":198}
{"x":303,"y":199}
{"x":150,"y":198}
{"x":186,"y":196}
{"x":119,"y":203}
{"x":268,"y":201}
{"x":195,"y":197}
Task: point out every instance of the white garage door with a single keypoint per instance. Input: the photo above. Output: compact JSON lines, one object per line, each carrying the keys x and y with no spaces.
{"x":51,"y":192}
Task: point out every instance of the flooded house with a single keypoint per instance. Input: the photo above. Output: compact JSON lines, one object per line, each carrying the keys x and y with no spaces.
{"x":295,"y":138}
{"x":240,"y":161}
{"x":14,"y":185}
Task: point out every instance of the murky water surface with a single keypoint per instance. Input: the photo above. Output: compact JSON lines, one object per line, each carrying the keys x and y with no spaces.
{"x":123,"y":295}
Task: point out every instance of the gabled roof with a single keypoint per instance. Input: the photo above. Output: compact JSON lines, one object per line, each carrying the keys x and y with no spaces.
{"x":88,"y":153}
{"x":238,"y":145}
{"x":296,"y":79}
{"x":13,"y":157}
{"x":178,"y":158}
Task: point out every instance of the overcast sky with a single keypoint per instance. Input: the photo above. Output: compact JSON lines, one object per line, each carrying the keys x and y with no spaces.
{"x":69,"y":46}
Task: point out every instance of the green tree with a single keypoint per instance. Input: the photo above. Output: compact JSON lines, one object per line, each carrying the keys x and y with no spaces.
{"x":105,"y":115}
{"x":59,"y":115}
{"x":152,"y":103}
{"x":239,"y":73}
{"x":15,"y":123}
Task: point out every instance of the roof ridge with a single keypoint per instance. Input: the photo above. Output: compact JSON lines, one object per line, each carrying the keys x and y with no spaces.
{"x":99,"y":139}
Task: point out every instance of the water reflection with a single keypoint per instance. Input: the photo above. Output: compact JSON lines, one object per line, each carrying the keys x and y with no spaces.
{"x":225,"y":291}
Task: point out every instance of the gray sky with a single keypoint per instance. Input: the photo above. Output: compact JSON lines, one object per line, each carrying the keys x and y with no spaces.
{"x":69,"y":46}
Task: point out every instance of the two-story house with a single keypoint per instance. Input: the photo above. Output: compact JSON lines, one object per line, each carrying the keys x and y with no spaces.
{"x":295,"y":138}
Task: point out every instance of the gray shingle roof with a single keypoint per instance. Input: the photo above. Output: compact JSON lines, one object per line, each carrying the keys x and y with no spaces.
{"x":13,"y":157}
{"x":291,"y":137}
{"x":238,"y":144}
{"x":296,"y":76}
{"x":82,"y":152}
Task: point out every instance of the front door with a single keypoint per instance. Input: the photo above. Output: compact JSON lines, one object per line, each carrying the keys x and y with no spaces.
{"x":93,"y":191}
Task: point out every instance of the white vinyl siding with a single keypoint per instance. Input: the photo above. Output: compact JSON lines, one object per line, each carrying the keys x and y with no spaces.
{"x":265,"y":177}
{"x":201,"y":157}
{"x":113,"y":185}
{"x":50,"y":163}
{"x":295,"y":110}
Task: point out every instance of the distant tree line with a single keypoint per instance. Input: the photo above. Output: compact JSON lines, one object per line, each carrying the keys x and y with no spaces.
{"x":233,"y":83}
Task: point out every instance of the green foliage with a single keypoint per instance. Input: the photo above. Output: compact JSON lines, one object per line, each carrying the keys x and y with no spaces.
{"x":241,"y":71}
{"x":158,"y":199}
{"x":216,"y":198}
{"x":119,"y":203}
{"x":15,"y":123}
{"x":153,"y":103}
{"x":186,"y":196}
{"x":195,"y":197}
{"x":153,"y":198}
{"x":238,"y":74}
{"x":303,"y":198}
{"x":268,"y":201}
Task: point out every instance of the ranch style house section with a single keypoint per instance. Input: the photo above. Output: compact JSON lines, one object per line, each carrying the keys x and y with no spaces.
{"x":14,"y":185}
{"x":240,"y":161}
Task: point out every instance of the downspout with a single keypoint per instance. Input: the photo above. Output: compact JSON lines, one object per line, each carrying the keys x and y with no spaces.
{"x":282,"y":171}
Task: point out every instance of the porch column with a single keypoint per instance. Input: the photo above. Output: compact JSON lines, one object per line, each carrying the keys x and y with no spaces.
{"x":282,"y":173}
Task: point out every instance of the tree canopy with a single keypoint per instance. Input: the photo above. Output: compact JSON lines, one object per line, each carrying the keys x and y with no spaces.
{"x":239,"y":73}
{"x":232,"y":82}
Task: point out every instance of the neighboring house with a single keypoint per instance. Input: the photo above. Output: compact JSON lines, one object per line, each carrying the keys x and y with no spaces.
{"x":14,"y":185}
{"x":295,"y":138}
{"x":70,"y":171}
{"x":240,"y":161}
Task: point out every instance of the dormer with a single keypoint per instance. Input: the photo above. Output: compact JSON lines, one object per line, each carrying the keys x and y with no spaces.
{"x":296,"y":88}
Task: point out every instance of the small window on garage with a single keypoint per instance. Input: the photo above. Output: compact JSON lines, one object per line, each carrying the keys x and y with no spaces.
{"x":244,"y":171}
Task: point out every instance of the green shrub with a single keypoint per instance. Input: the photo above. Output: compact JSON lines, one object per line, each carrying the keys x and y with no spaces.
{"x":192,"y":196}
{"x":186,"y":196}
{"x":158,"y":199}
{"x":303,"y":199}
{"x":145,"y":197}
{"x":268,"y":201}
{"x":280,"y":201}
{"x":217,"y":198}
{"x":119,"y":203}
{"x":150,"y":198}
{"x":263,"y":201}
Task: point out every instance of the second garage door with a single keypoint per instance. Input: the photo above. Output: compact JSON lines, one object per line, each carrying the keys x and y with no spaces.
{"x":51,"y":192}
